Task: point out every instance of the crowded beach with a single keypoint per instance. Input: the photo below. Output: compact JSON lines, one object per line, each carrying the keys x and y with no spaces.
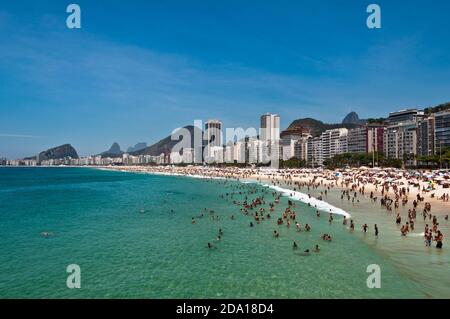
{"x":421,"y":192}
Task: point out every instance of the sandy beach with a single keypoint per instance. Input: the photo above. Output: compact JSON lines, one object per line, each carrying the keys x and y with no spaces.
{"x":431,"y":186}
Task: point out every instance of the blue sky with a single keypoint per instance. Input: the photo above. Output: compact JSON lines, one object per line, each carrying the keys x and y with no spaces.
{"x":138,"y":69}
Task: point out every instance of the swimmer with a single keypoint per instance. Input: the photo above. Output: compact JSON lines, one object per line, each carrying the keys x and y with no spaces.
{"x":294,"y":245}
{"x":210,"y":245}
{"x":276,"y":234}
{"x":317,"y":249}
{"x":364,"y":227}
{"x":193,"y":220}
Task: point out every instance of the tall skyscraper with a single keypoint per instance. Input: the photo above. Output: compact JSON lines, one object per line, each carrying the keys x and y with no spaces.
{"x":270,"y":127}
{"x":270,"y":137}
{"x":213,"y":141}
{"x":213,"y":131}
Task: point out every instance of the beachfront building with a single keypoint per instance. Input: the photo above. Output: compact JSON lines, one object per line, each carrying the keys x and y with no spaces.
{"x":270,"y":135}
{"x":228,"y":153}
{"x":176,"y":158}
{"x":426,"y":136}
{"x":442,"y":130}
{"x":366,"y":139}
{"x":301,"y":148}
{"x":213,"y":138}
{"x":188,"y":155}
{"x":289,"y":139}
{"x":357,"y":140}
{"x":408,"y":115}
{"x":401,"y":142}
{"x":334,"y":142}
{"x":375,"y":138}
{"x":214,"y":154}
{"x":240,"y":152}
{"x":254,"y":148}
{"x":314,"y":152}
{"x":270,"y":127}
{"x":213,"y":132}
{"x":342,"y":146}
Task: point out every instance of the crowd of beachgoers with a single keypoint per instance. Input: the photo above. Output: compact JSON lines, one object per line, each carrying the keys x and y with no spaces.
{"x":418,"y":191}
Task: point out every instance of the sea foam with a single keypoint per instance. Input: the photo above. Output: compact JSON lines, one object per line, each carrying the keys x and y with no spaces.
{"x":314,"y":202}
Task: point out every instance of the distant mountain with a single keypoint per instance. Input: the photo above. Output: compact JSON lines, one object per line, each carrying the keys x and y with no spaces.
{"x":438,"y":108}
{"x":317,"y":127}
{"x":137,"y":147}
{"x":353,"y":118}
{"x":114,"y":151}
{"x":166,"y":144}
{"x":58,"y":152}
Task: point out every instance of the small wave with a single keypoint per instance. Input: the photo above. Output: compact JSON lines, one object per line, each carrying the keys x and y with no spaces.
{"x":314,"y":202}
{"x":416,"y":234}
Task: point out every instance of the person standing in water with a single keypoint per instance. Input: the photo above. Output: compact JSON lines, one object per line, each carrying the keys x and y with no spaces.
{"x":439,"y":239}
{"x":376,"y":230}
{"x":364,"y":227}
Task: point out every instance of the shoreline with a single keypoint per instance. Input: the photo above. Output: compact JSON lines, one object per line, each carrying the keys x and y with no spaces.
{"x":388,"y":182}
{"x":343,"y":179}
{"x":292,"y":194}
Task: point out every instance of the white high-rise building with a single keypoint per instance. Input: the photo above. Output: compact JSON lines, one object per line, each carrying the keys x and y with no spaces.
{"x":239,"y":151}
{"x":314,"y":151}
{"x":270,"y":127}
{"x":188,"y":155}
{"x":213,"y":133}
{"x":400,"y":141}
{"x":229,"y":153}
{"x":254,"y":150}
{"x":270,"y":137}
{"x":334,"y":142}
{"x":289,"y":139}
{"x":213,"y":139}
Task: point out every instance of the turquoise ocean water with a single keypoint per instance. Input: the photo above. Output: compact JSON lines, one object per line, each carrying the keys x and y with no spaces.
{"x":95,"y":220}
